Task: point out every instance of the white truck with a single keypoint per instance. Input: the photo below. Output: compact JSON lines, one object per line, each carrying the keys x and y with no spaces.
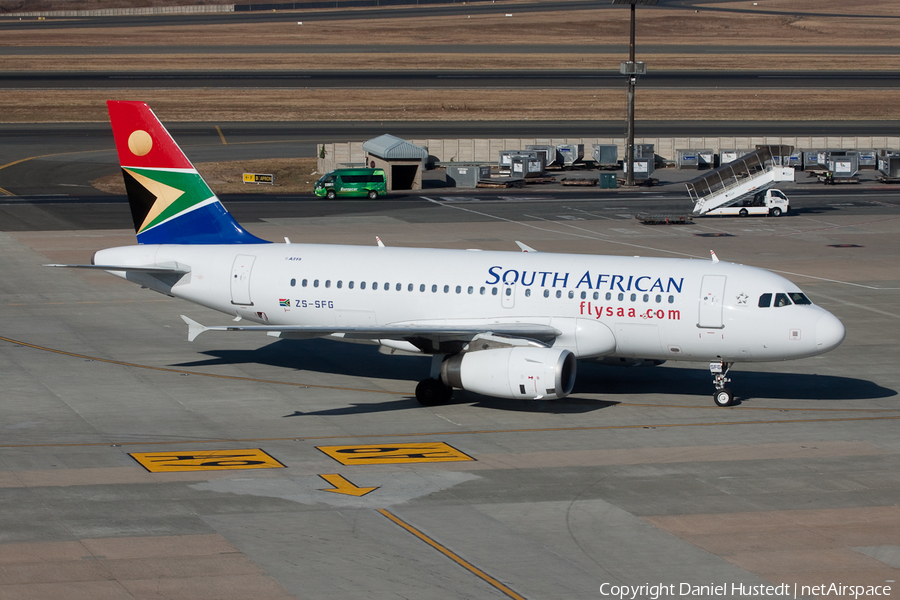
{"x":766,"y":202}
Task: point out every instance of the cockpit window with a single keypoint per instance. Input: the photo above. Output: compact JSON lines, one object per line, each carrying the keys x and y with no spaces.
{"x":765,"y":301}
{"x":782,"y":300}
{"x":799,"y":298}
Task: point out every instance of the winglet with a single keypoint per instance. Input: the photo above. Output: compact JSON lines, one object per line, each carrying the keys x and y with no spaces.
{"x":379,"y":242}
{"x":524,"y":247}
{"x":715,"y":258}
{"x":194,"y":328}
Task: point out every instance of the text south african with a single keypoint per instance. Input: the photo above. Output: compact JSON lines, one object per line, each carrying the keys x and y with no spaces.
{"x":591,"y":281}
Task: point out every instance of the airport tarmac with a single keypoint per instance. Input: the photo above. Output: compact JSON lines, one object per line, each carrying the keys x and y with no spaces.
{"x":258,"y":454}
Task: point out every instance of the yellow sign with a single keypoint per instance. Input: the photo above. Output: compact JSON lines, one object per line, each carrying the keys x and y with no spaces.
{"x":259,"y":178}
{"x":385,"y":454}
{"x":205,"y":460}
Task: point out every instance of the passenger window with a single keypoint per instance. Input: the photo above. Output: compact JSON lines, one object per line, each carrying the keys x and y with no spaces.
{"x":571,"y":294}
{"x":584,"y":295}
{"x":658,"y":298}
{"x":303,"y":283}
{"x":608,"y":296}
{"x":340,"y":284}
{"x":559,"y":293}
{"x":621,"y":297}
{"x":646,"y":297}
{"x":362,"y":285}
{"x":409,"y":288}
{"x":527,"y":292}
{"x":374,"y":285}
{"x":328,"y":283}
{"x":293,"y":282}
{"x":316,"y":283}
{"x":471,"y":290}
{"x":493,"y":291}
{"x":434,"y":289}
{"x":671,"y":299}
{"x":799,"y":298}
{"x":782,"y":300}
{"x":387,"y":286}
{"x":350,"y":285}
{"x":459,"y":289}
{"x":633,"y":297}
{"x":446,"y":289}
{"x":596,"y":295}
{"x":481,"y":290}
{"x":765,"y":301}
{"x":546,"y":293}
{"x":421,"y":287}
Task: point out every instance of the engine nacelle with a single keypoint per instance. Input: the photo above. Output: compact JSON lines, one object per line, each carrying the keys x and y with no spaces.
{"x":525,"y":373}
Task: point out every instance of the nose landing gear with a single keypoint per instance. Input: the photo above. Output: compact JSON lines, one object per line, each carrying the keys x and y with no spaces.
{"x":719,"y":370}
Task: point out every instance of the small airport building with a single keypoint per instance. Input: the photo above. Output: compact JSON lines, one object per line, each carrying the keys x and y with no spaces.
{"x":402,"y":161}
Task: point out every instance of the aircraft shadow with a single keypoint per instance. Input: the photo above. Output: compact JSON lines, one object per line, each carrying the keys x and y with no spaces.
{"x":354,"y":360}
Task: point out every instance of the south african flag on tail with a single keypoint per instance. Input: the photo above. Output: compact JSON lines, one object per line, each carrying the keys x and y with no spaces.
{"x":170,"y":202}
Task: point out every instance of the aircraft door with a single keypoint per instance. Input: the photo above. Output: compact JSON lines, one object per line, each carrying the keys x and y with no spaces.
{"x":508,"y":295}
{"x":240,"y":280}
{"x":712,"y":295}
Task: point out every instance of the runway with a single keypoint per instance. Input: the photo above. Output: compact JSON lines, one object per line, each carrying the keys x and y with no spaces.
{"x":450,"y":79}
{"x":636,"y":477}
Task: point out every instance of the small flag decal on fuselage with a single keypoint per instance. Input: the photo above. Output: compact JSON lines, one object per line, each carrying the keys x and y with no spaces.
{"x":286,"y":302}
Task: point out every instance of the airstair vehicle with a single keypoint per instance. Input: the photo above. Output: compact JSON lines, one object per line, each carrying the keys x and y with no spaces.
{"x":740,"y":179}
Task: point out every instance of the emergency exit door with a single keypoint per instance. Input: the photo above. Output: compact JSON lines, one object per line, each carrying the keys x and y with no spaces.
{"x":712,"y":295}
{"x":240,"y":280}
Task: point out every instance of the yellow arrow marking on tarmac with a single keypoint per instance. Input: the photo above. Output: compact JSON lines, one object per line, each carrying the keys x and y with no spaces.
{"x":342,"y":486}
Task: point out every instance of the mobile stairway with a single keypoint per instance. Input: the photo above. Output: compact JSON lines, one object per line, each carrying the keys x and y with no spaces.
{"x":740,"y":179}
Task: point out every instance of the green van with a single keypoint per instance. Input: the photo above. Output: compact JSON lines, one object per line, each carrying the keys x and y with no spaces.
{"x":352,"y":183}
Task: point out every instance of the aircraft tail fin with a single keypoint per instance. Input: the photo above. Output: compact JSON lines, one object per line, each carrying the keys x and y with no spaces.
{"x":170,"y":202}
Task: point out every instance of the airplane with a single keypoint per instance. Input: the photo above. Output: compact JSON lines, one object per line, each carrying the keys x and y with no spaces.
{"x":503,"y":324}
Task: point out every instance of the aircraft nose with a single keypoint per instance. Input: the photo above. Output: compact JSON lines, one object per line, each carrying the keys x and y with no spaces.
{"x":829,"y":332}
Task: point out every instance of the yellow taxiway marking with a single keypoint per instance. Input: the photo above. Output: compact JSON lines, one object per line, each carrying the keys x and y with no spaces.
{"x":452,"y":555}
{"x":342,"y":486}
{"x":205,"y":460}
{"x":221,"y":136}
{"x":385,"y":454}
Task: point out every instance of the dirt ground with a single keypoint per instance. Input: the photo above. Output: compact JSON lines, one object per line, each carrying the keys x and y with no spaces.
{"x":292,"y":175}
{"x":207,"y":105}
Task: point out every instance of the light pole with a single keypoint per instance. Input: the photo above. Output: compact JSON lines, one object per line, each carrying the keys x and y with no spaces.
{"x":631,"y":69}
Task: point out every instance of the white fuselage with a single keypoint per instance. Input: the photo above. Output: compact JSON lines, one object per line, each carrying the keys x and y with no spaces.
{"x":650,"y":308}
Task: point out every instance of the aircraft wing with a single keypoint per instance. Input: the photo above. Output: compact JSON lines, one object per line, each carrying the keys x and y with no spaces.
{"x":544,"y":333}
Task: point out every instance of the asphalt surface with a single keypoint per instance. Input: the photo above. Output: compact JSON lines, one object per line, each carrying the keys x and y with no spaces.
{"x":461,"y":79}
{"x":635,"y":478}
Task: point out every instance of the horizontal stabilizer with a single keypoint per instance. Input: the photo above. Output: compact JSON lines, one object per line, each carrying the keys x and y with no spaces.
{"x":159,"y":269}
{"x":194,"y":328}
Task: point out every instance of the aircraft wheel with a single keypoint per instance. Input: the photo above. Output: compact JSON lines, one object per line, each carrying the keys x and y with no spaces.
{"x":331,"y":194}
{"x":432,"y":392}
{"x":776,"y":212}
{"x":372,"y":194}
{"x":743,"y":212}
{"x":723,"y":397}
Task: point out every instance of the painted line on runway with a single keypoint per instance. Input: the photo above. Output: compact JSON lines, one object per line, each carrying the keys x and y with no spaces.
{"x":198,"y":373}
{"x":452,"y":555}
{"x":472,"y":432}
{"x":221,"y":136}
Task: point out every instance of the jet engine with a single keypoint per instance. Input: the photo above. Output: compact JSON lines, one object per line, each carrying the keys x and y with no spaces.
{"x":517,"y":373}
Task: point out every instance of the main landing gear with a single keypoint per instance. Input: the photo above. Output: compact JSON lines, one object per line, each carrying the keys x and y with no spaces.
{"x":719,"y":370}
{"x":433,"y":392}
